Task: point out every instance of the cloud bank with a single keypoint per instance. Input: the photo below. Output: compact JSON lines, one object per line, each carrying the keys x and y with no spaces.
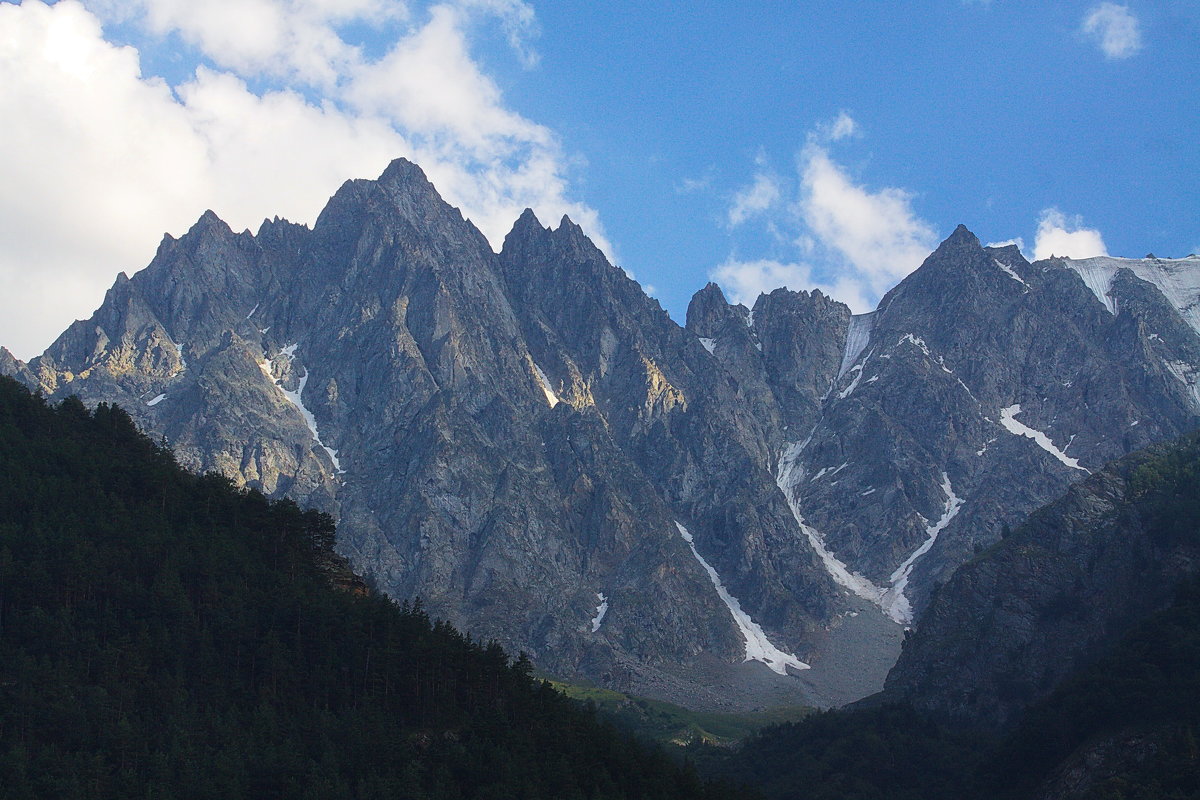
{"x":100,"y":157}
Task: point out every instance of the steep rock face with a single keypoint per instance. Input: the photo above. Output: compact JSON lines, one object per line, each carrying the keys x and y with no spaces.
{"x":1079,"y":573}
{"x":14,"y":367}
{"x":375,"y":366}
{"x":980,"y":388}
{"x":530,"y":444}
{"x":600,"y":341}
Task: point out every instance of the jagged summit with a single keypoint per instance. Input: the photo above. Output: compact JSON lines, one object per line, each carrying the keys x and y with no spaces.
{"x":520,"y":437}
{"x":526,"y":227}
{"x":401,"y":171}
{"x":208,"y":221}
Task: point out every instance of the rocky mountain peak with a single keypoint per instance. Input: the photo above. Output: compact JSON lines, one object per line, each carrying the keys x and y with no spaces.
{"x":961,"y":237}
{"x":524,"y":438}
{"x":1008,"y":254}
{"x":784,"y":301}
{"x":402,"y":174}
{"x":14,"y":367}
{"x":524,"y":232}
{"x":709,"y":312}
{"x":209,"y":227}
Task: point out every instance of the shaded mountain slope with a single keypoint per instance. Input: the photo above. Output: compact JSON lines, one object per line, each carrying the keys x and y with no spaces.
{"x":525,"y":440}
{"x":163,"y":634}
{"x":1012,"y":623}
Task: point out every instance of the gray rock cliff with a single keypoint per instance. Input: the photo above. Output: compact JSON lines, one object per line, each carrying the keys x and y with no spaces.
{"x":530,"y":444}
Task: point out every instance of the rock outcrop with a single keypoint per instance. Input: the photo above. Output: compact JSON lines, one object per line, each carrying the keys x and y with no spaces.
{"x":530,"y":444}
{"x":1055,"y":593}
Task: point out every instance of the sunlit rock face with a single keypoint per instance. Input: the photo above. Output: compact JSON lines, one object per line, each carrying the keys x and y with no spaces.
{"x":510,"y":435}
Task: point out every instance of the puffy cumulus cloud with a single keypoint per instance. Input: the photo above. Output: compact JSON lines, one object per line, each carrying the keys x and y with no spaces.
{"x":1059,"y":235}
{"x":754,"y":199}
{"x":1114,"y":29}
{"x":851,"y":241}
{"x":744,"y":281}
{"x":878,"y":236}
{"x":284,"y":38}
{"x":99,"y":159}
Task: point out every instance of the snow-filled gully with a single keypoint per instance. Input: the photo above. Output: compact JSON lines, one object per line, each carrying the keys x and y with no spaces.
{"x":758,"y":646}
{"x":1007,"y":419}
{"x":294,"y":398}
{"x":789,"y":474}
{"x":894,"y":603}
{"x":544,"y":382}
{"x":601,"y":610}
{"x":891,"y":600}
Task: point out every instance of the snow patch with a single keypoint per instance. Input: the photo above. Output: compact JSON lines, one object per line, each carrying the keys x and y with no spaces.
{"x":709,"y":344}
{"x":266,"y":365}
{"x":1177,"y":278}
{"x":758,"y":646}
{"x":857,"y":337}
{"x":551,"y":397}
{"x":1010,"y":272}
{"x":158,"y":399}
{"x":919,"y":343}
{"x":179,"y":352}
{"x":895,"y":604}
{"x":251,"y":314}
{"x":1043,"y":441}
{"x":601,"y":610}
{"x":1186,"y":374}
{"x":849,"y":390}
{"x":788,"y":475}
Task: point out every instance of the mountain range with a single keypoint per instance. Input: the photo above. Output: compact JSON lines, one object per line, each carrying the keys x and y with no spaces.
{"x":747,"y":509}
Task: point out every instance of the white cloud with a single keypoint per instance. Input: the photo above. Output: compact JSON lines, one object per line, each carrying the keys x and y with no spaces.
{"x":744,"y":281}
{"x":1114,"y":29}
{"x":98,"y":159}
{"x":851,"y":241}
{"x":1059,"y":235}
{"x":878,"y":236}
{"x":283,"y":38}
{"x":689,"y":185}
{"x":754,"y":199}
{"x":1018,"y":241}
{"x":842,"y":127}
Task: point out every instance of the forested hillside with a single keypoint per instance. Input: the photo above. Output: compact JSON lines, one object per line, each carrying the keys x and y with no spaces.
{"x":1124,"y":724}
{"x":165,"y":635}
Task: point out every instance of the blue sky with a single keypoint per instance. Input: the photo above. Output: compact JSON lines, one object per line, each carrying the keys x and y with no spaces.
{"x":812,"y":144}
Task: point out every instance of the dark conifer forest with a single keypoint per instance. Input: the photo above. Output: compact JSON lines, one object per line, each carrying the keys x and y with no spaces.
{"x":166,"y":635}
{"x":1133,"y":718}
